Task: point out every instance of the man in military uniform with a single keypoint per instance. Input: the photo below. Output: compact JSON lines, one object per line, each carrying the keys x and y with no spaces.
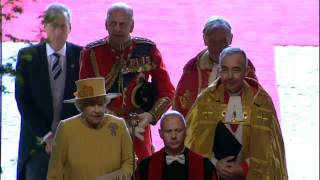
{"x":233,"y":122}
{"x":127,"y":63}
{"x":201,"y":70}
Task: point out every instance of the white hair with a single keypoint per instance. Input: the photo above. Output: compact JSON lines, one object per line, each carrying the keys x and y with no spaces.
{"x":54,"y":8}
{"x":120,"y":6}
{"x":216,"y":22}
{"x":232,"y":50}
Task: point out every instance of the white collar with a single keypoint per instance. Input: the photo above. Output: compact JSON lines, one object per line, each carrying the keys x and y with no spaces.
{"x":234,"y":109}
{"x":61,"y":52}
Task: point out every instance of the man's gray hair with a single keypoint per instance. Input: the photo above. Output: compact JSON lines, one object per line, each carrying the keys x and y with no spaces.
{"x":216,"y":22}
{"x":232,"y":50}
{"x":120,"y":6}
{"x":54,"y":8}
{"x":170,"y":114}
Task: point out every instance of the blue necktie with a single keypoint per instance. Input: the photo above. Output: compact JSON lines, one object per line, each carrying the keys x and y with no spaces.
{"x":56,"y":65}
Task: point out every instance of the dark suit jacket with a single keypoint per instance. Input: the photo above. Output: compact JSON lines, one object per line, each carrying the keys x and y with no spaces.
{"x":34,"y":99}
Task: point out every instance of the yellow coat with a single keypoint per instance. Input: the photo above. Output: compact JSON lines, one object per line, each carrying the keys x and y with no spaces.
{"x":82,"y":153}
{"x":262,"y":141}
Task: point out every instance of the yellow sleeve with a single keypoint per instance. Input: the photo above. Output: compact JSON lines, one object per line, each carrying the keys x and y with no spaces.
{"x":200,"y":130}
{"x":267,"y":153}
{"x":126,"y":153}
{"x":280,"y":168}
{"x":191,"y":123}
{"x":58,"y":155}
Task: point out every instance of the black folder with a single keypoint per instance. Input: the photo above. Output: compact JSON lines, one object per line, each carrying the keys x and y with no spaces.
{"x":225,"y":144}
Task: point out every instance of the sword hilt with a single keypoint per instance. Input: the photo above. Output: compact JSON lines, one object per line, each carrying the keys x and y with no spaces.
{"x":133,"y":123}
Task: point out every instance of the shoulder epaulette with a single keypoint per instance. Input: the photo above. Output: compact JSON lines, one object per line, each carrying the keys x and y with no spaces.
{"x":139,"y":40}
{"x":96,"y":43}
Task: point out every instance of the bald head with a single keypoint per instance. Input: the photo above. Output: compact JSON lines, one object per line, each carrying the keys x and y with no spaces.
{"x":173,"y":132}
{"x":169,"y":114}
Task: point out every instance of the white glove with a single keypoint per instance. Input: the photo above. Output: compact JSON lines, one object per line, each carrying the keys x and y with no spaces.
{"x":139,"y":133}
{"x":144,"y":119}
{"x":115,"y":175}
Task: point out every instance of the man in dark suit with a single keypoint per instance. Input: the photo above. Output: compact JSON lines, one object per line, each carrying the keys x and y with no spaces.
{"x":46,"y":74}
{"x":175,"y":161}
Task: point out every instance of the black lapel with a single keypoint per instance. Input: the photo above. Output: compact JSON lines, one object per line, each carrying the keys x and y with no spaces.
{"x":72,"y":72}
{"x":44,"y":79}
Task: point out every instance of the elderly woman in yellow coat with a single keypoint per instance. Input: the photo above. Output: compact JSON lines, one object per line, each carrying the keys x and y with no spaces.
{"x":92,"y":145}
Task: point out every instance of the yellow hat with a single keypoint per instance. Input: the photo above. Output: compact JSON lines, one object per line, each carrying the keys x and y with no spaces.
{"x":90,"y":88}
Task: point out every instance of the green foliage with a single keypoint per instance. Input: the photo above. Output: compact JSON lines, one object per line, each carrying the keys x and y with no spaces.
{"x":6,"y":69}
{"x":10,"y":10}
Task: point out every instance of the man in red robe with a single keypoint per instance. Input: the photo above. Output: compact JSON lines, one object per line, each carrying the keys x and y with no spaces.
{"x":175,"y":161}
{"x":127,"y":63}
{"x":201,"y":70}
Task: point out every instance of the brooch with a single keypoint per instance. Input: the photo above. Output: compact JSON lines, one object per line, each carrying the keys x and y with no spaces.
{"x":113,"y":129}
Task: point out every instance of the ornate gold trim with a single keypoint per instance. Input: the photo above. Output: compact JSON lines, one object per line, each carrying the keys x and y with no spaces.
{"x":93,"y":61}
{"x":159,"y":107}
{"x":113,"y":74}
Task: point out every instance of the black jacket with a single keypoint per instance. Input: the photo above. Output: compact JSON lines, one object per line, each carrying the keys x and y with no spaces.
{"x":34,"y":97}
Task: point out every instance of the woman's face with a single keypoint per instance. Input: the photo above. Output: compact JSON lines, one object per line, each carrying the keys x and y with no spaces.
{"x":93,"y":111}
